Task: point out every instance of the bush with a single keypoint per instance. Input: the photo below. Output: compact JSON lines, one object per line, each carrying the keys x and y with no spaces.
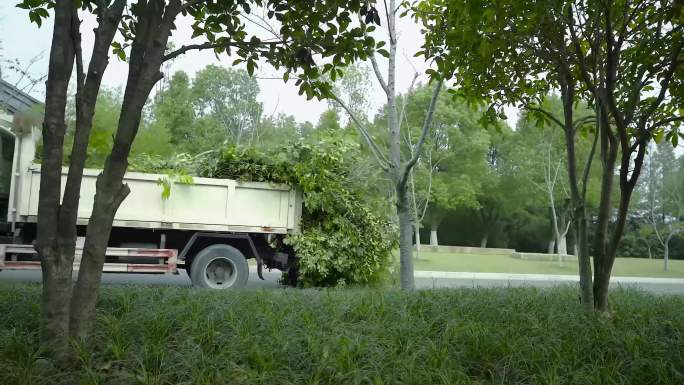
{"x":467,"y":336}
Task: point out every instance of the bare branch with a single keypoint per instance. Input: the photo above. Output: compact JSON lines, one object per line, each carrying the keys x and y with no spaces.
{"x":547,"y":114}
{"x":378,"y":74}
{"x":78,"y":53}
{"x":405,"y":101}
{"x":382,"y":160}
{"x":587,"y":167}
{"x":583,"y":120}
{"x":426,"y":128}
{"x":203,"y":46}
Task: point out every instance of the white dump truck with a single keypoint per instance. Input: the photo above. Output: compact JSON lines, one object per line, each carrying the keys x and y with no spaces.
{"x":210,"y":227}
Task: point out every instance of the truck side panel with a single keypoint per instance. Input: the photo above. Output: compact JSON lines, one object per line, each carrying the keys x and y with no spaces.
{"x":206,"y":204}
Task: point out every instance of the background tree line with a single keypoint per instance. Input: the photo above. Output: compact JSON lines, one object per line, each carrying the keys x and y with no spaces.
{"x":476,"y":185}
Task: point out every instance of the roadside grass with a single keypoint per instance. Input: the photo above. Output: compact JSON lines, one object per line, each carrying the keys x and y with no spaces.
{"x":630,"y":267}
{"x":354,"y":336}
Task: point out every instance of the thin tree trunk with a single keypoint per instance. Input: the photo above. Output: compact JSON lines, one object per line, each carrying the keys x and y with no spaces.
{"x":577,"y":198}
{"x":405,"y":240}
{"x":552,"y":246}
{"x":629,"y":172}
{"x":416,"y":232}
{"x":584,"y":261}
{"x":666,"y":250}
{"x":86,"y":100}
{"x":602,"y":254}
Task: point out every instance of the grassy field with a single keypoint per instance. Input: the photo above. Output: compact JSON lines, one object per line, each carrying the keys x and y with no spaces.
{"x":484,"y":336}
{"x":505,"y":264}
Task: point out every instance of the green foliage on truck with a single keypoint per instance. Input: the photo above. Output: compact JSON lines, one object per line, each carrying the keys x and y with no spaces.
{"x":342,"y":241}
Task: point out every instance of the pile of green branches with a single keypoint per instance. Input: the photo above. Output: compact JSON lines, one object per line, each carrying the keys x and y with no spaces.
{"x":342,"y":241}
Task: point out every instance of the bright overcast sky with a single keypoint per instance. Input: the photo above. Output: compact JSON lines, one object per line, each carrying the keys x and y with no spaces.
{"x":23,"y":40}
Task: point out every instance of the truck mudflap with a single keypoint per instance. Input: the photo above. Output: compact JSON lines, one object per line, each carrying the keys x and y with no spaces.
{"x":161,"y":261}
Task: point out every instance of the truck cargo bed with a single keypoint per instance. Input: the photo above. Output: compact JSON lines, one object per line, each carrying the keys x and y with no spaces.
{"x":207,"y":204}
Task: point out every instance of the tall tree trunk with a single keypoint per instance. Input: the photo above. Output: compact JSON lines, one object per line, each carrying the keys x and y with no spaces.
{"x":551,"y":249}
{"x":147,"y":52}
{"x":86,"y":99}
{"x":602,"y":253}
{"x":56,"y":254}
{"x":396,"y":170}
{"x":577,"y":196}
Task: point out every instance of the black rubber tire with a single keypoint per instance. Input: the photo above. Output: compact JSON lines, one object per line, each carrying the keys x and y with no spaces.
{"x":224,"y":255}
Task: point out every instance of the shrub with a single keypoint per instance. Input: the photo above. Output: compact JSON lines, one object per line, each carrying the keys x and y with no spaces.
{"x":466,"y":336}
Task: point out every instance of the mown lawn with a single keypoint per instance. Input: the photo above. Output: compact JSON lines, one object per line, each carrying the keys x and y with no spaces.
{"x":467,"y":336}
{"x":631,"y":267}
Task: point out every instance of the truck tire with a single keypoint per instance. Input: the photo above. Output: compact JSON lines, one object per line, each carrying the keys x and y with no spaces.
{"x":219,"y":267}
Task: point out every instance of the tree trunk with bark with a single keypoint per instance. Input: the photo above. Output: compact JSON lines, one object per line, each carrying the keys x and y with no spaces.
{"x":577,"y":194}
{"x":55,"y":251}
{"x":56,"y":238}
{"x":602,"y":253}
{"x":147,"y":56}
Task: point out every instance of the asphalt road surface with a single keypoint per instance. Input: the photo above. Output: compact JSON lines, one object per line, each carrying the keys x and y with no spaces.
{"x":424,"y":280}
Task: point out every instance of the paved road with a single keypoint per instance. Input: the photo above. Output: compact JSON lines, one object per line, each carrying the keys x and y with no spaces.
{"x":182,"y":279}
{"x":434,"y":279}
{"x":424,"y":280}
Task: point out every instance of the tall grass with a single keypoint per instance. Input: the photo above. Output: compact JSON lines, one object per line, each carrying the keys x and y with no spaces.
{"x":466,"y":336}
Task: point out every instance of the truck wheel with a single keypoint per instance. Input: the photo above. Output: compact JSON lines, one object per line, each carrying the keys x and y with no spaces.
{"x":219,"y":267}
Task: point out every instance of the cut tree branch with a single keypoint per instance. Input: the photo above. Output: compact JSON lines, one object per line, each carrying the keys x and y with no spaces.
{"x":203,"y":46}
